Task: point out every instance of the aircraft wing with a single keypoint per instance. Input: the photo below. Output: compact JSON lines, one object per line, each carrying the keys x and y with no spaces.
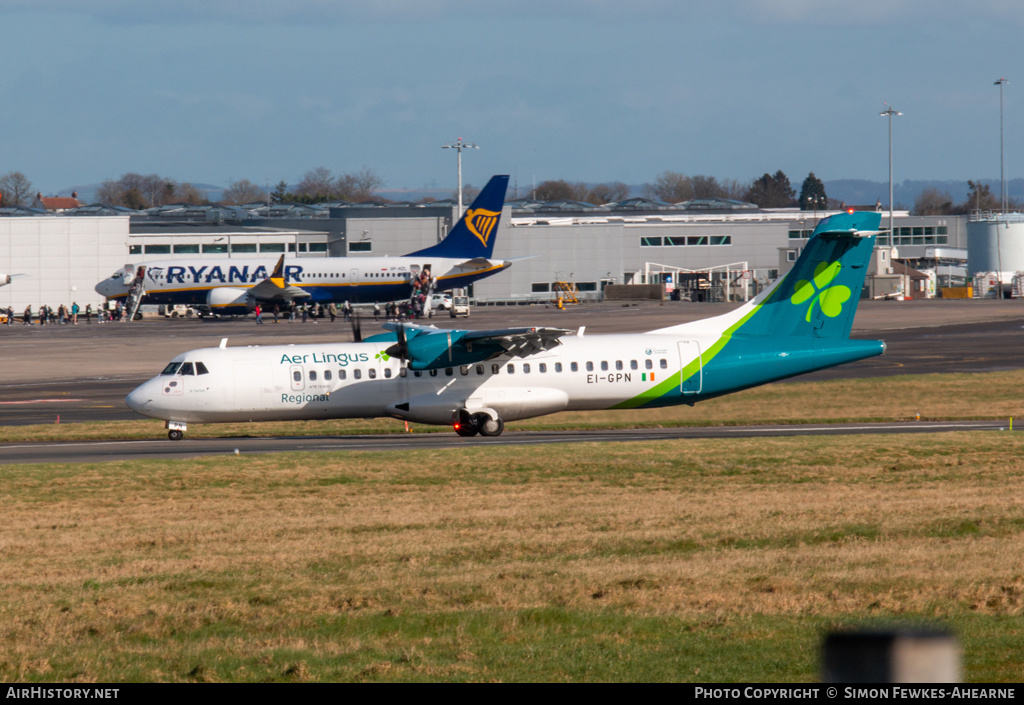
{"x":276,"y":287}
{"x":519,"y":342}
{"x":267,"y":290}
{"x":428,"y":347}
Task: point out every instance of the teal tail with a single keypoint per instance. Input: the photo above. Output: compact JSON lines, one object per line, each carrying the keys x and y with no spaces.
{"x":800,"y":324}
{"x":818,"y":297}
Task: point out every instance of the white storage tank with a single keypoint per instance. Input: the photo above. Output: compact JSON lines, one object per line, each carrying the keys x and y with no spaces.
{"x":995,"y":244}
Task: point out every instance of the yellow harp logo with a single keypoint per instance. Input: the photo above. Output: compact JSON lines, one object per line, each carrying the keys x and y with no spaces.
{"x":481,"y":223}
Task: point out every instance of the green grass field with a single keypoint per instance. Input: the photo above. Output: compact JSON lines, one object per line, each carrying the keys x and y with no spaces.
{"x":678,"y":561}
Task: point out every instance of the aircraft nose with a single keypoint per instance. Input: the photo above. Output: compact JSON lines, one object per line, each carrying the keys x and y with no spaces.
{"x":139,"y":399}
{"x":105,"y":288}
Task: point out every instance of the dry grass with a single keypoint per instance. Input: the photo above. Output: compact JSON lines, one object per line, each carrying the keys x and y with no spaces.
{"x":437,"y":564}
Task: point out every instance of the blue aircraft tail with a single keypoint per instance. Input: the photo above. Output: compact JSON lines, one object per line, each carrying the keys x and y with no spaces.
{"x":474,"y":235}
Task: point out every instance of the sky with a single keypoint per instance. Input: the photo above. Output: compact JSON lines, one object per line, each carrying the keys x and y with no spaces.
{"x":214,"y":91}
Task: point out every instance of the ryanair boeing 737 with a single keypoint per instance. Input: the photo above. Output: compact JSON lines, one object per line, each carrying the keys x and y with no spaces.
{"x":478,"y":380}
{"x":235,"y":286}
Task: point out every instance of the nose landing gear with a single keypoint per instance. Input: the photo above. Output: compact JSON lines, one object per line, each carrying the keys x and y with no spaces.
{"x":175,"y":430}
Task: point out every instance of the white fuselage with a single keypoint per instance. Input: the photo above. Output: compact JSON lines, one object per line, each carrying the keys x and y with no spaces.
{"x":322,"y":381}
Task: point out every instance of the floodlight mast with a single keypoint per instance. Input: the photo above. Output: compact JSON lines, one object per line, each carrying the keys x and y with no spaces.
{"x":459,"y":145}
{"x":889,"y":112}
{"x":1002,"y":163}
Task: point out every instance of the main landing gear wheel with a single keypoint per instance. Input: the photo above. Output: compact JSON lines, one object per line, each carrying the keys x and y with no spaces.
{"x":488,"y":426}
{"x":175,"y":434}
{"x":466,"y":430}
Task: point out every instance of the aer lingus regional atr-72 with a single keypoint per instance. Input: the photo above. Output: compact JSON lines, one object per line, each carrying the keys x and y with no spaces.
{"x":478,"y":380}
{"x":235,"y":286}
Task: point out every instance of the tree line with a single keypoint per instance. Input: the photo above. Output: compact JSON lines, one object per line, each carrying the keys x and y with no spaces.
{"x":320,"y":185}
{"x":933,"y":201}
{"x":141,"y":191}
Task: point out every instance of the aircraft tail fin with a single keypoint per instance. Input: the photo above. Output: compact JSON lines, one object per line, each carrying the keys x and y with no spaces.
{"x":475,"y":233}
{"x":819,"y":296}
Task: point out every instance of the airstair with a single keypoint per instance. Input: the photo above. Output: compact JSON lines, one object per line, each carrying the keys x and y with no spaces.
{"x":136,"y":292}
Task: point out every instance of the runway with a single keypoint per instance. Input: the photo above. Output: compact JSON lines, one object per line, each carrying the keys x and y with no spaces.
{"x":106,"y":451}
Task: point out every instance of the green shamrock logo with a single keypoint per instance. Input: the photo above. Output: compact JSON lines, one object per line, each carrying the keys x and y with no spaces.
{"x":382,"y":356}
{"x":830,"y":298}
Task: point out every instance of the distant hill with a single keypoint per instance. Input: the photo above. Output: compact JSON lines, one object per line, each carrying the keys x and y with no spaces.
{"x":858,"y":192}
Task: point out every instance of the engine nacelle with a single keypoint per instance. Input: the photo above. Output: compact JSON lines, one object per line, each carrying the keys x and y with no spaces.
{"x":229,"y":300}
{"x":5,"y":279}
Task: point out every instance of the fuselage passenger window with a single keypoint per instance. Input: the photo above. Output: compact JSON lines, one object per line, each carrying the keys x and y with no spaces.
{"x":342,"y":374}
{"x":372,"y":373}
{"x":573,"y":366}
{"x":526,"y":368}
{"x":558,"y":367}
{"x":590,"y":367}
{"x":357,"y":373}
{"x":327,"y":375}
{"x":511,"y":369}
{"x":604,"y":365}
{"x":633,"y":365}
{"x":312,"y":375}
{"x":663,"y":363}
{"x":542,"y":367}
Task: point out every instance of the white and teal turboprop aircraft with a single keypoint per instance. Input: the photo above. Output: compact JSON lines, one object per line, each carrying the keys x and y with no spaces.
{"x":478,"y":380}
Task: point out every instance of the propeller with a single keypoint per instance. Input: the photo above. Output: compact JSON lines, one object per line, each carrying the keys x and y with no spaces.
{"x":357,"y":333}
{"x":401,"y":348}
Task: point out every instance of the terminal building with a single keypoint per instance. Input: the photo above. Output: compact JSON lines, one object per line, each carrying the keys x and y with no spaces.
{"x":707,"y":250}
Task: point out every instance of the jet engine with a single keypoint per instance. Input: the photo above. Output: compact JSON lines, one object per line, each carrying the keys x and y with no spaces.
{"x":229,"y":300}
{"x":5,"y":279}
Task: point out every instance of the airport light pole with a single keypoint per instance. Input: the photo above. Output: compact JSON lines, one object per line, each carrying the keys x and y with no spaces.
{"x":1002,"y":164}
{"x":458,"y":145}
{"x":889,"y":112}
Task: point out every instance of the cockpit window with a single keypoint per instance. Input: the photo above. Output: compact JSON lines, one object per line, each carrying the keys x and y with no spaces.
{"x":201,"y":369}
{"x":188,"y":369}
{"x":171,"y":368}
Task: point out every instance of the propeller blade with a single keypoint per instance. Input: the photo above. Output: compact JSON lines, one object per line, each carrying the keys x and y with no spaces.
{"x":403,"y":343}
{"x":357,"y":333}
{"x":401,"y":348}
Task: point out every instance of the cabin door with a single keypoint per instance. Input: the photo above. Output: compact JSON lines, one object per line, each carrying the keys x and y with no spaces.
{"x":692,"y":367}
